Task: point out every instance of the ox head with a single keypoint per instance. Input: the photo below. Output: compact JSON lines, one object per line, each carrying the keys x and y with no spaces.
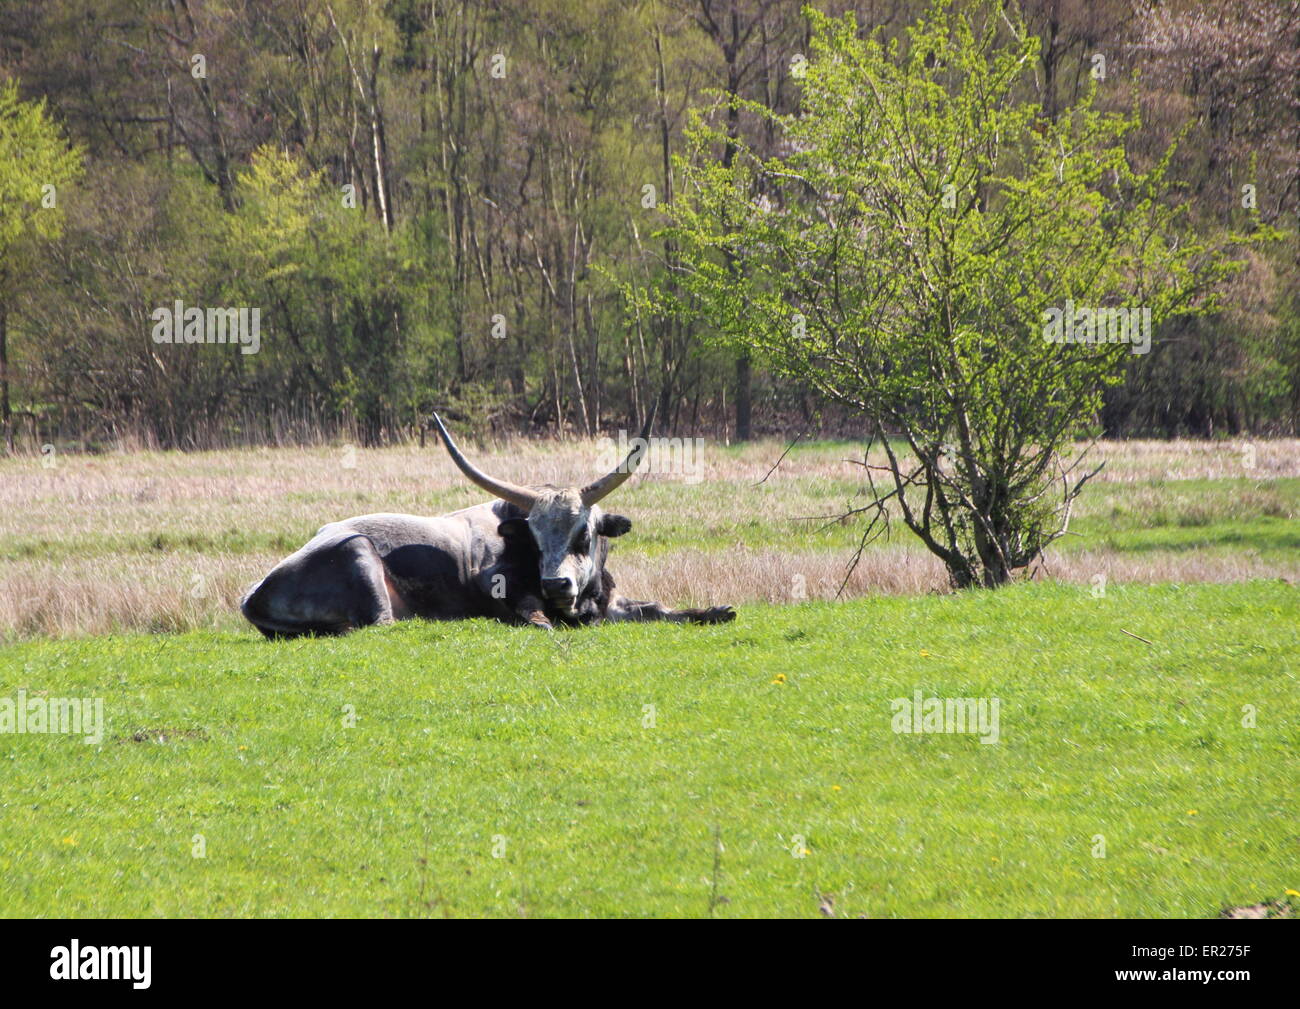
{"x":564,"y":523}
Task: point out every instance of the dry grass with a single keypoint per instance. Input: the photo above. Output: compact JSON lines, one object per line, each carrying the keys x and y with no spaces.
{"x":774,"y":576}
{"x":168,"y":541}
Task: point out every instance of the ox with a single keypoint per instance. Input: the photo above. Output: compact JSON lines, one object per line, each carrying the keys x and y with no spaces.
{"x":536,"y":555}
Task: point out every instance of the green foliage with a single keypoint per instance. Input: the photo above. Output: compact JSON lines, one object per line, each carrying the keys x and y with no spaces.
{"x":516,"y":190}
{"x":34,"y":156}
{"x":333,"y":287}
{"x":902,"y":252}
{"x":35,"y":164}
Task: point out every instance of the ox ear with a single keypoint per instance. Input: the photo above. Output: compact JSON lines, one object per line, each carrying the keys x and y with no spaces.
{"x":513,"y":529}
{"x":613,"y":525}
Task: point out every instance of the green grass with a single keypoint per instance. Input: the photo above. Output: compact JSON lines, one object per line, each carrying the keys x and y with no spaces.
{"x":107,"y":545}
{"x":474,"y":731}
{"x":1268,"y":537}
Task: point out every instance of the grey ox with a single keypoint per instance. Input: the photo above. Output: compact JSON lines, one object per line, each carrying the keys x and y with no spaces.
{"x":534,"y":556}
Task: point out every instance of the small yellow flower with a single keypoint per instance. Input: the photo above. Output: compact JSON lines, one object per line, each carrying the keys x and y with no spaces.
{"x":805,"y":851}
{"x":924,"y":654}
{"x":779,"y":678}
{"x":835,"y":788}
{"x":70,"y":841}
{"x":1191,"y":812}
{"x":243,"y":747}
{"x":1293,"y":893}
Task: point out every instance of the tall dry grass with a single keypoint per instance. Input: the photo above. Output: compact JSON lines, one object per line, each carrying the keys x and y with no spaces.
{"x":163,"y":541}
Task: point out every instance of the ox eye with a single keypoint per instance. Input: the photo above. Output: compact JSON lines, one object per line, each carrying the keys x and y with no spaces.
{"x":581,"y":542}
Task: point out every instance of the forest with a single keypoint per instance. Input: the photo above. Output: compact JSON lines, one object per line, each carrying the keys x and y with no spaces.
{"x":457,"y":205}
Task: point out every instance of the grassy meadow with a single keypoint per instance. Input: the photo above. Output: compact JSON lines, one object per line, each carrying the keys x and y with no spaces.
{"x":162,"y":542}
{"x":1147,"y":754}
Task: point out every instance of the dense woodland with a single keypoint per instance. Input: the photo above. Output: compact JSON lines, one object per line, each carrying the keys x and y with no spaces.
{"x":451,"y":204}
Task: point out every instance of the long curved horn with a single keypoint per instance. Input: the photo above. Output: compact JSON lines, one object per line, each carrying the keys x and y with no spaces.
{"x":610,"y":482}
{"x":512,"y":492}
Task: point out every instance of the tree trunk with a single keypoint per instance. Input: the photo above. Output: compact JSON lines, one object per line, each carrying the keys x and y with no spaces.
{"x":744,"y":396}
{"x":379,"y":146}
{"x":744,"y":370}
{"x":6,"y":414}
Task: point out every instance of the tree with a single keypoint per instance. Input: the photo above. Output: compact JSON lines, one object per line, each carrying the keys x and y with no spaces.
{"x":747,"y":35}
{"x":35,"y":163}
{"x":1231,"y":69}
{"x":920,"y":253}
{"x":333,"y":286}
